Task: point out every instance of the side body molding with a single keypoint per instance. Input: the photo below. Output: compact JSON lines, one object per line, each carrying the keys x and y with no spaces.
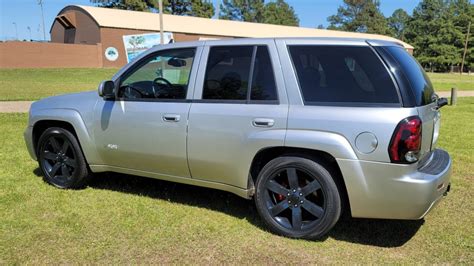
{"x":74,"y":118}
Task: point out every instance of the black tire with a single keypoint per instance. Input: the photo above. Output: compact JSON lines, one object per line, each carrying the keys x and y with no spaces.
{"x":61,"y":160}
{"x":306,"y":208}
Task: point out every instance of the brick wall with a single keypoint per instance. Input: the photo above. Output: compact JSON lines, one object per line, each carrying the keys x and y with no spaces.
{"x":49,"y":55}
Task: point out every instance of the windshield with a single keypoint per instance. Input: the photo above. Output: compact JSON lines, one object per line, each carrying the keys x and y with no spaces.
{"x":419,"y":82}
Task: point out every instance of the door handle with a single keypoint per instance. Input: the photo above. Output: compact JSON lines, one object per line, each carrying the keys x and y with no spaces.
{"x":171,"y":117}
{"x":263,"y":122}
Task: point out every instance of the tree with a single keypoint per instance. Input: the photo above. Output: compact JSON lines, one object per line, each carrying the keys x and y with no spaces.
{"x":243,"y":10}
{"x":398,"y":23}
{"x":433,"y":34}
{"x":280,"y":13}
{"x":359,"y":16}
{"x":463,"y":13}
{"x":175,"y":7}
{"x":136,"y":5}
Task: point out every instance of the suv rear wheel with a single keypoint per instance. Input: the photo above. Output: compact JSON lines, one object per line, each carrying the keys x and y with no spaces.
{"x":61,"y":160}
{"x":297,"y":197}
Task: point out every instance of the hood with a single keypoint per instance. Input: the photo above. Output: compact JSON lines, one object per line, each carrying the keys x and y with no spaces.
{"x":78,"y":101}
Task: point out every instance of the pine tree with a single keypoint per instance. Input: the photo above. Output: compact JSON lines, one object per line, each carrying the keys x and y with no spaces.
{"x":359,"y":16}
{"x":280,"y":13}
{"x":194,"y":8}
{"x":398,"y":23}
{"x":243,"y":10}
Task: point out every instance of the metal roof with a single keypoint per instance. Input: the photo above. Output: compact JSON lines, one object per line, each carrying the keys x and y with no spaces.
{"x":116,"y":18}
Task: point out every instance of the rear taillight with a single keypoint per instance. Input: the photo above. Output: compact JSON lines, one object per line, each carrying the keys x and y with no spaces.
{"x":406,"y":141}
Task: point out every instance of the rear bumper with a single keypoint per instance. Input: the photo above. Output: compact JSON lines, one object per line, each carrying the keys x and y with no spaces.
{"x":395,"y":191}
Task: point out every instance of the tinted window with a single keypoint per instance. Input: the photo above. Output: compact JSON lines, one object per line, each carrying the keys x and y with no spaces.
{"x":263,"y":79}
{"x":419,"y":82}
{"x":342,"y":74}
{"x":227,"y":73}
{"x":164,"y":75}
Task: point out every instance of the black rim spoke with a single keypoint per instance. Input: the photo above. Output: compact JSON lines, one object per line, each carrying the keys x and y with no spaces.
{"x":70,"y":162}
{"x":277,"y":209}
{"x":292,"y":178}
{"x":310,"y":188}
{"x":65,"y":147}
{"x":277,"y":188}
{"x":65,"y":171}
{"x":296,"y":218}
{"x":313,"y":209}
{"x":55,"y":144}
{"x":54,"y":169}
{"x":50,"y":155}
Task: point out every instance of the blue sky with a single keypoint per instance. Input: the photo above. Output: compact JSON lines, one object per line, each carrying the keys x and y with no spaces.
{"x":27,"y":13}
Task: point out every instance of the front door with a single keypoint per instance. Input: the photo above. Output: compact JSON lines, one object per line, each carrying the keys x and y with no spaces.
{"x":145,"y":128}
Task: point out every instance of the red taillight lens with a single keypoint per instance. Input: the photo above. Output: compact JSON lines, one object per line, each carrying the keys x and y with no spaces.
{"x":406,"y":141}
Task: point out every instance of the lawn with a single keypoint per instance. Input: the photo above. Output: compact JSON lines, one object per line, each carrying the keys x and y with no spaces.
{"x":125,"y":219}
{"x":34,"y":84}
{"x":446,"y":81}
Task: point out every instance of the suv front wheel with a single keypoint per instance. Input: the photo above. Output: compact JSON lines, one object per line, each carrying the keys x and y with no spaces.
{"x":297,"y":198}
{"x":61,"y":160}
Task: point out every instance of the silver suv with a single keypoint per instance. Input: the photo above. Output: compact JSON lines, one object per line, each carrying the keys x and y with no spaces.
{"x":306,"y":127}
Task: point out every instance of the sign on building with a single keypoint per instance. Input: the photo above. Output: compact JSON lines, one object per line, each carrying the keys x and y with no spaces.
{"x":138,"y":43}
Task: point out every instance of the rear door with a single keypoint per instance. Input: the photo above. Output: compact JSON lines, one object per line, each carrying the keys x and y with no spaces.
{"x":239,"y":107}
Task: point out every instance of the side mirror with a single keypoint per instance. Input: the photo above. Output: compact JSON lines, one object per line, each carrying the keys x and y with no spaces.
{"x":441,"y":102}
{"x":107,"y":90}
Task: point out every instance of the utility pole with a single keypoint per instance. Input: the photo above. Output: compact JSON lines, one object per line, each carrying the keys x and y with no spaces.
{"x":160,"y":6}
{"x":29,"y":29}
{"x":16,"y":30}
{"x":465,"y":47}
{"x":218,"y":9}
{"x":40,"y":2}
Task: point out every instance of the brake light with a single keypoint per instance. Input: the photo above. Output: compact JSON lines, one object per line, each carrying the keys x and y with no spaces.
{"x":405,"y":144}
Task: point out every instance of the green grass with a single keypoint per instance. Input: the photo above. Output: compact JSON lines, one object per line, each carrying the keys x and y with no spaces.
{"x":34,"y":84}
{"x":446,"y":81}
{"x":125,"y":219}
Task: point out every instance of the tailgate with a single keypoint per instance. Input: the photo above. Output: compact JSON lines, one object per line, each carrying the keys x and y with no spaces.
{"x":430,"y":118}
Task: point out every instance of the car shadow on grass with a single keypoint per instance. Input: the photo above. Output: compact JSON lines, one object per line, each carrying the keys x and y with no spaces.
{"x":373,"y":232}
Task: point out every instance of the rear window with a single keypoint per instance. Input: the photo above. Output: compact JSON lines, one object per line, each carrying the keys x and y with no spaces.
{"x":349,"y":75}
{"x":419,"y":82}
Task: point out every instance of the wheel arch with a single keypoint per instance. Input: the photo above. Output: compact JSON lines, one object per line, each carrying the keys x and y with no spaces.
{"x":68,"y":119}
{"x":325,"y":159}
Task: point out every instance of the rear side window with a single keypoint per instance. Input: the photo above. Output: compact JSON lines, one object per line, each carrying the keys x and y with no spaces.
{"x":342,"y":74}
{"x":263,"y":79}
{"x":419,"y":82}
{"x":242,"y":73}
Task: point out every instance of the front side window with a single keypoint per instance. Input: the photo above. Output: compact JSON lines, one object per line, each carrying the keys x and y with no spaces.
{"x":164,"y":75}
{"x":239,"y":73}
{"x":342,"y":74}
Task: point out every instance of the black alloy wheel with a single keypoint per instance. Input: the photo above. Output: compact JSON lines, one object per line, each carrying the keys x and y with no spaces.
{"x":61,"y":160}
{"x":297,"y":198}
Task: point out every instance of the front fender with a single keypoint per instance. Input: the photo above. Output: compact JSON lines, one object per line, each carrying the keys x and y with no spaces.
{"x":74,"y":118}
{"x":332,"y":143}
